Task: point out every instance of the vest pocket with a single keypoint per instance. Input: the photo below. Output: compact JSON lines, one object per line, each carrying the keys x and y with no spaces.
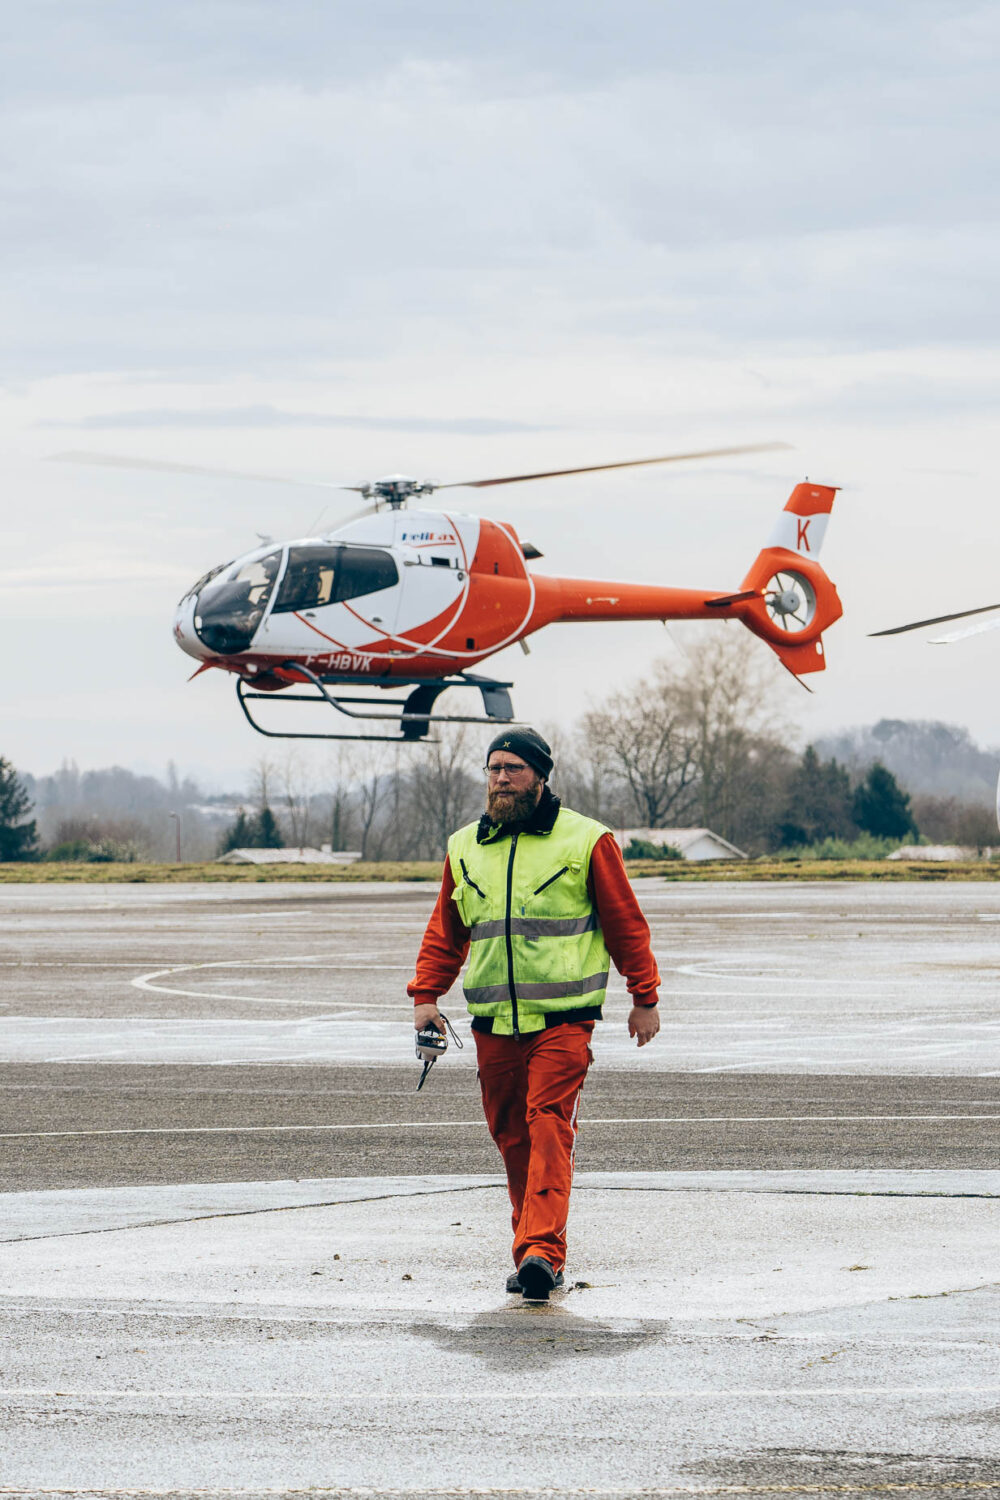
{"x":469,"y":880}
{"x":552,"y":878}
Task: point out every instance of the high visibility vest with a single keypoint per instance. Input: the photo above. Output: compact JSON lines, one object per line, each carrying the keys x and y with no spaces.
{"x":535,"y":944}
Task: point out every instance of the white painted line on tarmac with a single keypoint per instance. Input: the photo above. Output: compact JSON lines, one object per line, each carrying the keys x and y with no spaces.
{"x":767,"y":1119}
{"x":308,"y":961}
{"x":102,"y":1056}
{"x":203,"y":1022}
{"x":262,"y":916}
{"x":789,"y":969}
{"x":23,"y":1135}
{"x":33,"y":1135}
{"x":467,"y":1492}
{"x":667,"y":1393}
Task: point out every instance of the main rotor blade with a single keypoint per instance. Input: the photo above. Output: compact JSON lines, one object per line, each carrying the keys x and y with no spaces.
{"x":632,"y":463}
{"x":960,"y":635}
{"x":117,"y":461}
{"x":961,"y":614}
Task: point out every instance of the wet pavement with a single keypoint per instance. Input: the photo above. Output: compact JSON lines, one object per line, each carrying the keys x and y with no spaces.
{"x":239,"y":1255}
{"x":91,"y":1125}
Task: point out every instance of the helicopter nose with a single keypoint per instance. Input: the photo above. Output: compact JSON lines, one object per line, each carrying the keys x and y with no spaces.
{"x":184,"y":631}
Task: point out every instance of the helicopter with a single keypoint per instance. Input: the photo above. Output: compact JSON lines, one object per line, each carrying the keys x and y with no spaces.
{"x":415,"y":598}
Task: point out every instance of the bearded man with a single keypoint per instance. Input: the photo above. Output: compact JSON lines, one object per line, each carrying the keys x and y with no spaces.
{"x":537,"y":898}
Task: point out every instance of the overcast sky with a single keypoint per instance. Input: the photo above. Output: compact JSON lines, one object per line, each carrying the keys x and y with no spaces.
{"x":339,"y":240}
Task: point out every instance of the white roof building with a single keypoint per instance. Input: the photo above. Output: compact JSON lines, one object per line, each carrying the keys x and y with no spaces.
{"x":324,"y":856}
{"x":694,"y":843}
{"x":934,"y":851}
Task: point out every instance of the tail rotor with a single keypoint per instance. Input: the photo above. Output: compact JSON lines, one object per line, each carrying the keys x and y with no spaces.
{"x":791,"y":601}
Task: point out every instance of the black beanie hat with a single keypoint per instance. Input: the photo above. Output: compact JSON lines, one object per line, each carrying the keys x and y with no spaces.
{"x":528,"y":745}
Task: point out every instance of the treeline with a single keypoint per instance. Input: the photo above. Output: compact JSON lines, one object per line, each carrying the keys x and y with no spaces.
{"x":710,"y":744}
{"x":927,"y":757}
{"x":113,"y":814}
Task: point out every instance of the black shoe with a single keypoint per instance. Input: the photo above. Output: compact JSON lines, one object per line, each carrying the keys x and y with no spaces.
{"x":514,"y":1283}
{"x":537,"y":1278}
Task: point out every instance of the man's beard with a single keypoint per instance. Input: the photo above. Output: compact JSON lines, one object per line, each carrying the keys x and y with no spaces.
{"x":505,"y":805}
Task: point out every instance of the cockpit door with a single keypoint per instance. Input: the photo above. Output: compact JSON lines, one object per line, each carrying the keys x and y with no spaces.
{"x":336,"y":593}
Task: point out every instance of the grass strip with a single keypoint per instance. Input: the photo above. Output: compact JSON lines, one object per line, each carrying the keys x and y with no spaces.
{"x":730,"y":870}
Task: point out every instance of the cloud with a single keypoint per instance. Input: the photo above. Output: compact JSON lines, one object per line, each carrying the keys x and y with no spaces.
{"x":271,"y":416}
{"x":340,"y":186}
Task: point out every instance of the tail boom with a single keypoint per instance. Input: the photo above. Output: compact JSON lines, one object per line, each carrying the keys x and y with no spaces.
{"x":786,"y":598}
{"x":565,"y":599}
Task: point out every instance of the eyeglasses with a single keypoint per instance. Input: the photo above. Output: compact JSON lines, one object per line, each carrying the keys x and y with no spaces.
{"x":509,"y":768}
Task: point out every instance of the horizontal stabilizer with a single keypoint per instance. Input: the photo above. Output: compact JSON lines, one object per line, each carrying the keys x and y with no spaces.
{"x":725,"y":600}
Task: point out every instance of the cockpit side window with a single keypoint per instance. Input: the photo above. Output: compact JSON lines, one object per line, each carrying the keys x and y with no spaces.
{"x":308,"y":581}
{"x":316,"y":576}
{"x":365,"y":570}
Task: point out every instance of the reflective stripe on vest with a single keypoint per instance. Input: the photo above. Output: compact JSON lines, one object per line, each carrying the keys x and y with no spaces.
{"x":535,"y":942}
{"x":535,"y":927}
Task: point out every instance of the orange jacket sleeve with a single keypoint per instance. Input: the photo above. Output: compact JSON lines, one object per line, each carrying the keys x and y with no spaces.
{"x":625,"y":929}
{"x":443,"y":950}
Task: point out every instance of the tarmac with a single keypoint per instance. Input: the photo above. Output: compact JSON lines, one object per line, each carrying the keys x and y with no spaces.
{"x":218,"y":1184}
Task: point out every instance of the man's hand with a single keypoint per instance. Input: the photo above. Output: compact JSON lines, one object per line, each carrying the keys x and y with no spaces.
{"x":643,"y":1023}
{"x":424,"y":1015}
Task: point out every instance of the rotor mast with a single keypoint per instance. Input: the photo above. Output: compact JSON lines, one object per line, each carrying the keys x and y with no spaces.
{"x":394,"y":491}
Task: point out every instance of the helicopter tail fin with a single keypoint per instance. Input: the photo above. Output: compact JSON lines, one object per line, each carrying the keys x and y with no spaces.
{"x":795,"y":600}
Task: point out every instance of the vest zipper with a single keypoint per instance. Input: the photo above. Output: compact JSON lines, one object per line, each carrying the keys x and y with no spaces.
{"x":469,"y":880}
{"x":507,"y":935}
{"x":551,"y":878}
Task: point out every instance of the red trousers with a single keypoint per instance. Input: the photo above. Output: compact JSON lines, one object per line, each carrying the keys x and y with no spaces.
{"x":531,"y":1087}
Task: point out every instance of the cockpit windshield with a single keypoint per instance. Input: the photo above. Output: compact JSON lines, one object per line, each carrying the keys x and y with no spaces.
{"x":319,"y":575}
{"x":231,"y":604}
{"x":196,"y":588}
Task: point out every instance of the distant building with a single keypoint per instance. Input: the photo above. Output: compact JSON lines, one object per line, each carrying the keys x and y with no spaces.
{"x":935,"y":851}
{"x":694,"y":843}
{"x":324,"y":856}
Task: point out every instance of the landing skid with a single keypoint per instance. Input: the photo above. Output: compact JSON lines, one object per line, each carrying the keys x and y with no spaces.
{"x":413,"y":719}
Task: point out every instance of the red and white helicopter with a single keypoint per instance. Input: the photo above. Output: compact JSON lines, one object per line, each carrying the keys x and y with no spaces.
{"x":398,"y":598}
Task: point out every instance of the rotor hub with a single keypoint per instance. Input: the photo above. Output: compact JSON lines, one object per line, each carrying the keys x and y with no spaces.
{"x":786,"y":603}
{"x":790,"y":600}
{"x":395,"y":490}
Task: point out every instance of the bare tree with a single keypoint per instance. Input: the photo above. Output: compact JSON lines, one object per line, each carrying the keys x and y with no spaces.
{"x":296,"y":780}
{"x":445,"y":788}
{"x":951,"y":820}
{"x":340,"y":797}
{"x":584,"y":776}
{"x":263,"y":780}
{"x":734,"y":695}
{"x":650,"y":746}
{"x":370,"y":784}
